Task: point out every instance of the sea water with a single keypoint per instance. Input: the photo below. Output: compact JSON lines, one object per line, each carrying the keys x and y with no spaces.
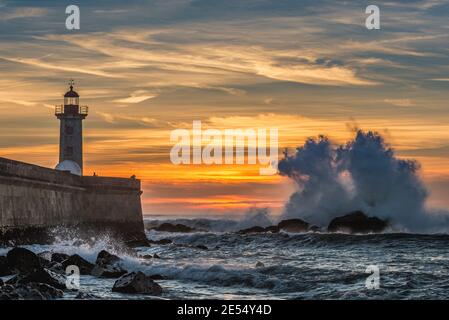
{"x":294,"y":266}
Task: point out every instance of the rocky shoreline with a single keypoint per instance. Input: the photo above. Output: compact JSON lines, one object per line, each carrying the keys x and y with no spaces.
{"x":47,"y":275}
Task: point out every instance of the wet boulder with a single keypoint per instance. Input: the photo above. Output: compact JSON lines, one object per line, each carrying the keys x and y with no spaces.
{"x":4,"y":267}
{"x":59,"y":257}
{"x":294,"y":225}
{"x":255,"y":229}
{"x":85,"y":267}
{"x":258,"y":229}
{"x":169,"y":227}
{"x":137,"y":283}
{"x":32,"y":291}
{"x":272,"y":229}
{"x":357,"y":222}
{"x":41,"y":276}
{"x":108,"y":265}
{"x":23,"y":260}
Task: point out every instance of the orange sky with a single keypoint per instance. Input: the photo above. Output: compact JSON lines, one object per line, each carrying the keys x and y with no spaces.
{"x":154,"y":69}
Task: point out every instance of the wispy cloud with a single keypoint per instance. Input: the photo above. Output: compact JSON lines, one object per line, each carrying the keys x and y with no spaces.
{"x":400,"y":102}
{"x":73,"y":69}
{"x":20,"y":13}
{"x":137,"y":97}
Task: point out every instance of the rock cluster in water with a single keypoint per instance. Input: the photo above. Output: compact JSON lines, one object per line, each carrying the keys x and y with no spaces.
{"x":42,"y":276}
{"x":354,"y":222}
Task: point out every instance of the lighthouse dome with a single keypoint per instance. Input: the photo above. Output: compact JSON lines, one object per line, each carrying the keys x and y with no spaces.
{"x":69,"y":165}
{"x":71,"y":93}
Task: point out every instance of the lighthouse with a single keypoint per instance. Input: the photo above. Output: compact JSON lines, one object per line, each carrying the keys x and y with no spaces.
{"x":71,"y":117}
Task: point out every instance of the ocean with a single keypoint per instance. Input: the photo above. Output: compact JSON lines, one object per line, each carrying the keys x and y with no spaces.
{"x":274,"y":266}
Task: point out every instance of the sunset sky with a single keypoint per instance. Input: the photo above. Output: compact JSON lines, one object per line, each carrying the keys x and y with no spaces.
{"x":145,"y":68}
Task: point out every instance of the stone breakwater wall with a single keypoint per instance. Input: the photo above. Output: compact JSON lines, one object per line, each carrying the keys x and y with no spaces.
{"x":35,"y":200}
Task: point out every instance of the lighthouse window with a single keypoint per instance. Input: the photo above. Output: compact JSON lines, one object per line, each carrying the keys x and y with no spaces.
{"x":69,"y":130}
{"x":68,"y":151}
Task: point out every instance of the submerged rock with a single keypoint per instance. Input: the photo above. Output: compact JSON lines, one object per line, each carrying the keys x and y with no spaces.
{"x":169,"y":227}
{"x":23,"y":260}
{"x":259,"y":264}
{"x":137,"y":283}
{"x":108,"y":265}
{"x":257,"y":229}
{"x":357,"y":222}
{"x":294,"y":225}
{"x":84,"y":266}
{"x":290,"y":225}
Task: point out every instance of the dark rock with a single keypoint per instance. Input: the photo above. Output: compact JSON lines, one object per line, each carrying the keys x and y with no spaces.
{"x":161,"y":241}
{"x":31,"y":291}
{"x":45,"y":263}
{"x":259,"y":264}
{"x":40,"y":276}
{"x":59,"y":257}
{"x":46,"y":255}
{"x":137,"y":283}
{"x":168,"y":227}
{"x":146,"y":256}
{"x":84,"y":266}
{"x":105,"y":258}
{"x":23,"y":260}
{"x":156,"y":256}
{"x":357,"y":222}
{"x":47,"y":291}
{"x":8,"y":292}
{"x":4,"y":267}
{"x":157,"y":277}
{"x":1,"y":282}
{"x":272,"y":229}
{"x":108,"y":266}
{"x":293,"y":225}
{"x":255,"y":229}
{"x":201,"y":247}
{"x":57,"y":267}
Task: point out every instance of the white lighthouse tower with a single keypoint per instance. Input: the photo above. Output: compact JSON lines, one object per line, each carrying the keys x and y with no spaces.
{"x":71,"y":116}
